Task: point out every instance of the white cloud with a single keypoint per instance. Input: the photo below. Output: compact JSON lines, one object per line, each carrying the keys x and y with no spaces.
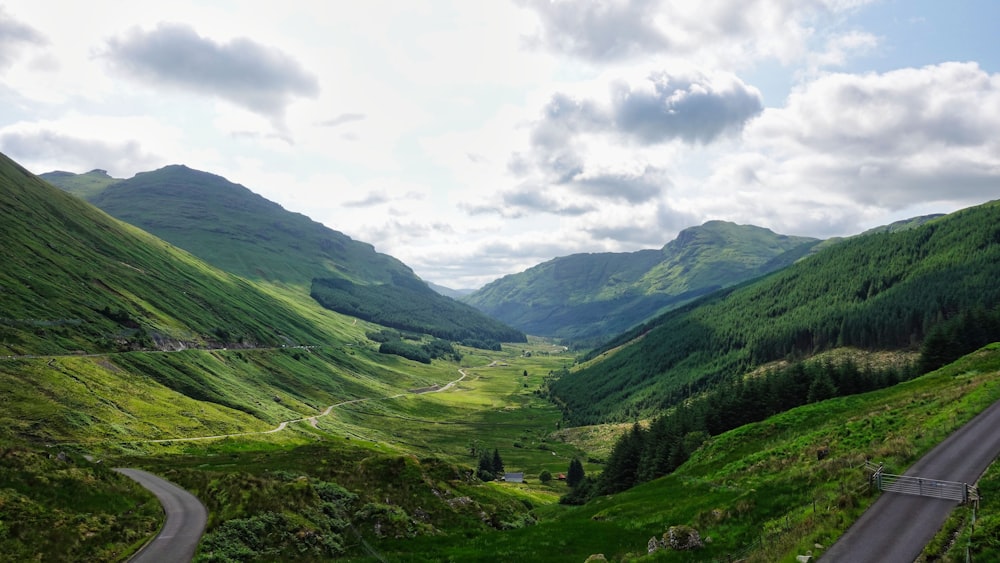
{"x":708,"y":32}
{"x":260,"y":78}
{"x":585,"y":151}
{"x":80,"y":143}
{"x":14,"y":35}
{"x":848,"y":147}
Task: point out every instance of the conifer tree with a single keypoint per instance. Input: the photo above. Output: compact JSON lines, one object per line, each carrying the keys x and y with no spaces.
{"x":496,"y":464}
{"x":575,"y":474}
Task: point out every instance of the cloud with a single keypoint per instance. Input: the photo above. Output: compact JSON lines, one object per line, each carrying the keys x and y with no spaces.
{"x":585,"y":150}
{"x":708,"y":31}
{"x":342,"y":119}
{"x":43,"y":150}
{"x":840,"y":47}
{"x":634,"y":188}
{"x":860,"y":146}
{"x":259,"y":78}
{"x":602,"y":31}
{"x":370,"y":200}
{"x":692,"y":108}
{"x":14,"y":35}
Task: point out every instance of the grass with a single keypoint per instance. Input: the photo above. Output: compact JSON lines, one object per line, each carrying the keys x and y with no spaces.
{"x":56,"y":506}
{"x":972,"y":530}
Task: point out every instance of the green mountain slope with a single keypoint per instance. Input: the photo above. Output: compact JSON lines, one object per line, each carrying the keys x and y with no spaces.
{"x":236,"y":230}
{"x":98,"y":320}
{"x":76,"y":279}
{"x":584,"y":297}
{"x":882,"y":291}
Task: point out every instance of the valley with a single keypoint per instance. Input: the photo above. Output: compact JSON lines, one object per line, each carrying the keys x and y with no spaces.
{"x":323,"y":402}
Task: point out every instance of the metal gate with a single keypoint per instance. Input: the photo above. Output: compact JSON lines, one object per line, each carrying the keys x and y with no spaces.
{"x":920,"y":486}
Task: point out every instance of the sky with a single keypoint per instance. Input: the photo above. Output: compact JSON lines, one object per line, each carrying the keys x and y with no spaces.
{"x":472,"y":140}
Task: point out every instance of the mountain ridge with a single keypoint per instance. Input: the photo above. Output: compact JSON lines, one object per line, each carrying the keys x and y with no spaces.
{"x":591,"y":296}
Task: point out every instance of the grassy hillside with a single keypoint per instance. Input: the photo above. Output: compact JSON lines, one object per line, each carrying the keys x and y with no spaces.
{"x":236,"y":230}
{"x":57,"y":506}
{"x":74,"y":279}
{"x":883,"y":291}
{"x":587,"y":297}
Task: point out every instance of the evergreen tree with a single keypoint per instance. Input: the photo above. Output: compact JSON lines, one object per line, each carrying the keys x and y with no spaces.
{"x":821,"y":388}
{"x":496,"y":464}
{"x":485,"y":469}
{"x":575,"y":474}
{"x":622,"y":468}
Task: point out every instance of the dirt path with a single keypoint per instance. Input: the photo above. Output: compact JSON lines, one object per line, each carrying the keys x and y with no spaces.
{"x":311,"y":419}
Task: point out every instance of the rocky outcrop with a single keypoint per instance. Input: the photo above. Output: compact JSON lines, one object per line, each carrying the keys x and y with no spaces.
{"x":678,"y":538}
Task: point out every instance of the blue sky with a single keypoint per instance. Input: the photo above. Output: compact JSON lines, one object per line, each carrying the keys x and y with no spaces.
{"x":476,"y":139}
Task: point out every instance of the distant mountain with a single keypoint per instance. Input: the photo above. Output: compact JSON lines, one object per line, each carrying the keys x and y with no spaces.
{"x":449,"y":292}
{"x":933,"y":285}
{"x":87,"y":186}
{"x":588,"y":297}
{"x":234,"y":229}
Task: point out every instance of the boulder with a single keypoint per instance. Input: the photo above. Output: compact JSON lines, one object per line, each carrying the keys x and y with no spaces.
{"x":683,"y":538}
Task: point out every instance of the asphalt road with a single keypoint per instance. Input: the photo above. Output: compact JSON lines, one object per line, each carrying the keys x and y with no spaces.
{"x":186,"y":518}
{"x":896,"y":527}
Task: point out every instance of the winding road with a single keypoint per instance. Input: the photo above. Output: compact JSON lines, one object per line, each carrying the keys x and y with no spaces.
{"x":896,"y":527}
{"x":186,"y":518}
{"x":311,"y":418}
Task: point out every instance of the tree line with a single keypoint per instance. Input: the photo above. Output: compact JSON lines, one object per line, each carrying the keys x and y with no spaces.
{"x":643,"y":454}
{"x":410,"y":305}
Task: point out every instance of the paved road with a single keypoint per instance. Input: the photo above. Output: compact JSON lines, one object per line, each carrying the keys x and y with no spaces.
{"x":896,"y":527}
{"x":186,"y":518}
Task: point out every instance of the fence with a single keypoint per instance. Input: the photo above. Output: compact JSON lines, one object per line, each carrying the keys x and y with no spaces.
{"x":920,"y":486}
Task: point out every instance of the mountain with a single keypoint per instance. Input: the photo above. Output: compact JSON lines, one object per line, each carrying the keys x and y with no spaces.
{"x":109,"y":333}
{"x":87,"y":186}
{"x":934,"y":285}
{"x":449,"y":292}
{"x":76,"y":279}
{"x":234,"y":229}
{"x":587,"y":297}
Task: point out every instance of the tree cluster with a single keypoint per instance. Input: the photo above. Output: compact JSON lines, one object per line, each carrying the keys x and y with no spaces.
{"x":418,"y":352}
{"x":643,"y":454}
{"x":490,"y":466}
{"x":409,"y":304}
